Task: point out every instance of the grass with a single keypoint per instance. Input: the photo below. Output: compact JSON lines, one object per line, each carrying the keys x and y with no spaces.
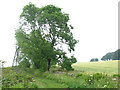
{"x":26,"y":78}
{"x":109,"y":67}
{"x":84,"y":80}
{"x":46,"y":83}
{"x":86,"y":75}
{"x":102,"y":74}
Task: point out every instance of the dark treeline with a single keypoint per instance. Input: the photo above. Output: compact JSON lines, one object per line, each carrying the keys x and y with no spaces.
{"x":112,"y":56}
{"x":94,"y":60}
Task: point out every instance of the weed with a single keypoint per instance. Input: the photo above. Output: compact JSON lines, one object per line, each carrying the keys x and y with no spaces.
{"x":78,"y":75}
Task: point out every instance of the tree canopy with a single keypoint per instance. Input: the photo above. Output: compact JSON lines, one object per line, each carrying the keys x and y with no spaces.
{"x":41,"y":31}
{"x":112,"y":56}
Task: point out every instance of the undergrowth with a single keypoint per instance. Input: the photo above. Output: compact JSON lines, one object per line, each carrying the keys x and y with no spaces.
{"x":25,"y":78}
{"x":84,"y":80}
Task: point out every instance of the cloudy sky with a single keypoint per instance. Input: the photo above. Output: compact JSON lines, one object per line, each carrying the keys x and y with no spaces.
{"x":95,"y":25}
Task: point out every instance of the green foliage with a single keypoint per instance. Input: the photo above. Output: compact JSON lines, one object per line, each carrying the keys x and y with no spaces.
{"x":67,"y":62}
{"x":116,"y":75}
{"x":78,"y":75}
{"x":25,"y":63}
{"x":32,"y":78}
{"x":55,"y":69}
{"x":41,"y":30}
{"x":51,"y":19}
{"x":38,"y":50}
{"x":17,"y":78}
{"x":83,"y":80}
{"x":98,"y":76}
{"x":90,"y":79}
{"x":34,"y":85}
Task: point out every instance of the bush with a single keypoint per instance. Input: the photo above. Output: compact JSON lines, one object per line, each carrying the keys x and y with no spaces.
{"x":67,"y":62}
{"x":17,"y":78}
{"x":116,"y":75}
{"x":67,"y":65}
{"x":54,"y":69}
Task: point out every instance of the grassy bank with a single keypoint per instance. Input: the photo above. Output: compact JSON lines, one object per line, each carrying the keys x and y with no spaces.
{"x":85,"y":75}
{"x":16,"y":77}
{"x":76,"y":79}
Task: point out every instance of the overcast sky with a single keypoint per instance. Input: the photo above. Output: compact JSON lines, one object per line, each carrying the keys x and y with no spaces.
{"x":95,"y":25}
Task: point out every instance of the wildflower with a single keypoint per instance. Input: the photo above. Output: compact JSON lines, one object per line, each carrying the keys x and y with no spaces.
{"x":114,"y":79}
{"x":91,"y":75}
{"x":105,"y":86}
{"x":30,"y":82}
{"x":89,"y":80}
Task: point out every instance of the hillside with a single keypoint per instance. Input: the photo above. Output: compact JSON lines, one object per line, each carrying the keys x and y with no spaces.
{"x":102,"y":66}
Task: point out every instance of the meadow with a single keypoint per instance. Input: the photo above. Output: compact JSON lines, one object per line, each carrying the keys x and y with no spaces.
{"x":109,"y":67}
{"x":86,"y":75}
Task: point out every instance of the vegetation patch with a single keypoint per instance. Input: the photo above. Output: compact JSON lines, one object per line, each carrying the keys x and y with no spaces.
{"x":83,"y":80}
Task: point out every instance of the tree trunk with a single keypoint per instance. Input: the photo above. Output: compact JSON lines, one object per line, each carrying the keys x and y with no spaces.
{"x":49,"y":60}
{"x":37,"y":65}
{"x":49,"y":64}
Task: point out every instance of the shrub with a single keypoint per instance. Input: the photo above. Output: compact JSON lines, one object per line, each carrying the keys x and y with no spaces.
{"x":16,"y":78}
{"x":116,"y":75}
{"x":53,"y":69}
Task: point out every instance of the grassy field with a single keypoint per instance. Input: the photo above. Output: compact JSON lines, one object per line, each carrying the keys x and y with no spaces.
{"x":85,"y":75}
{"x":109,"y":67}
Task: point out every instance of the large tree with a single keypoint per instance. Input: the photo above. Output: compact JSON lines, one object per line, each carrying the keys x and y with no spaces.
{"x":34,"y":50}
{"x":52,"y":25}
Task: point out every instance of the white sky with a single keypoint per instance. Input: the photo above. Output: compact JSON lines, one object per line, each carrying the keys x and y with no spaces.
{"x":95,"y":25}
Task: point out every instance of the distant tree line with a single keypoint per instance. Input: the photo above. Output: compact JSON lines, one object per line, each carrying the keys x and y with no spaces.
{"x":111,"y":56}
{"x":94,"y":60}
